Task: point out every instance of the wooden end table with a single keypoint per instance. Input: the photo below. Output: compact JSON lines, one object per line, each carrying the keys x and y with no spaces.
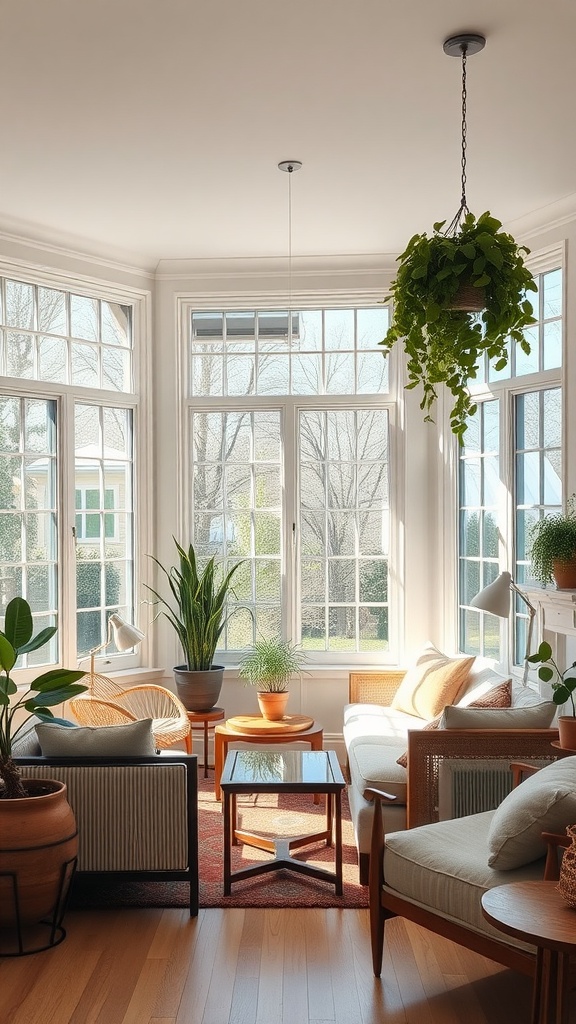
{"x":293,"y":771}
{"x":536,"y":912}
{"x":255,"y":729}
{"x":204,"y":720}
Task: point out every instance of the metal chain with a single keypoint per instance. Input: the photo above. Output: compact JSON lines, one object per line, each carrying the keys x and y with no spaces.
{"x":463,"y":203}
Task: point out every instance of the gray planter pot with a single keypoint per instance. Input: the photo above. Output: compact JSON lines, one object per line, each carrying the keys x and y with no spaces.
{"x":199,"y":691}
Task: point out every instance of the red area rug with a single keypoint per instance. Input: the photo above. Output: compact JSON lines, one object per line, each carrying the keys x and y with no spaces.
{"x":265,"y":814}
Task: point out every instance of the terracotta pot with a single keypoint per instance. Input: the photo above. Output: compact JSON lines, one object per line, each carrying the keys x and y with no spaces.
{"x":38,"y":838}
{"x":567,"y":731}
{"x":273,"y":705}
{"x":469,"y":299}
{"x":565,"y":574}
{"x":199,"y":691}
{"x":567,"y":881}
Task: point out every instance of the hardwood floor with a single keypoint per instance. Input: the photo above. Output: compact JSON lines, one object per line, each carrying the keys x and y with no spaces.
{"x":253,"y":967}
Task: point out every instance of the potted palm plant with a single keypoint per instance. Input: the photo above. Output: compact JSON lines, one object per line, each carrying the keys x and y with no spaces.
{"x":457,"y":295}
{"x":38,"y":834}
{"x":197,"y":611}
{"x":269,"y":666}
{"x":553,"y":548}
{"x":563,"y":686}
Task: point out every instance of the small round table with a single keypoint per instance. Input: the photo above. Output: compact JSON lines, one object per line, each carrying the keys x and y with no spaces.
{"x":255,"y":729}
{"x":535,"y":912}
{"x":203,"y":720}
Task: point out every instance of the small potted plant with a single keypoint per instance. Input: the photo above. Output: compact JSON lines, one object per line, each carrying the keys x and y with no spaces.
{"x":269,"y":666}
{"x":563,"y":686}
{"x":457,"y":295}
{"x":38,"y":834}
{"x":198,"y":614}
{"x":553,"y":548}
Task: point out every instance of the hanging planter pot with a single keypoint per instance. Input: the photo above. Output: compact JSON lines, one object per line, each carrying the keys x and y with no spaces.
{"x":459,"y":293}
{"x":469,"y":299}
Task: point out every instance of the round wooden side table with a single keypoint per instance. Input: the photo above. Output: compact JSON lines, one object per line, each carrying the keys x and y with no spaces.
{"x":535,"y":912}
{"x":255,"y":729}
{"x":205,"y":720}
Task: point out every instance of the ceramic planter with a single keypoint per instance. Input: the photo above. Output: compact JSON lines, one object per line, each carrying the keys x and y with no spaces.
{"x":567,"y":731}
{"x":565,"y":574}
{"x":38,"y":850}
{"x":199,"y":691}
{"x":273,"y":705}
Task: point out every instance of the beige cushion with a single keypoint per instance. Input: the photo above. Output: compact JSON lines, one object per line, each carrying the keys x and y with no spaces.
{"x":132,"y":740}
{"x":544,"y":802}
{"x":537,"y":717}
{"x":432,"y":683}
{"x":444,"y":867}
{"x":499,"y":697}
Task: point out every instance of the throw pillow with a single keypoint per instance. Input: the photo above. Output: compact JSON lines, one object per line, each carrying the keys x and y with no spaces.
{"x":539,"y":716}
{"x":499,"y":697}
{"x":544,"y":802}
{"x":132,"y":740}
{"x":432,"y":683}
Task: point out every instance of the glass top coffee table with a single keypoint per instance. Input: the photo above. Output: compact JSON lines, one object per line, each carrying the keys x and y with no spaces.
{"x":291,"y":771}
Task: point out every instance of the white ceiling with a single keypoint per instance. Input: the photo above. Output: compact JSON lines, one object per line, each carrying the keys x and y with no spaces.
{"x":152,"y":129}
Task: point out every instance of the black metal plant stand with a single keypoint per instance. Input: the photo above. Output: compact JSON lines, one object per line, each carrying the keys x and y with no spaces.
{"x":20,"y":939}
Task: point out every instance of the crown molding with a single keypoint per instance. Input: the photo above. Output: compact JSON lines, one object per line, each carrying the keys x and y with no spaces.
{"x":63,"y":247}
{"x":547,"y":218}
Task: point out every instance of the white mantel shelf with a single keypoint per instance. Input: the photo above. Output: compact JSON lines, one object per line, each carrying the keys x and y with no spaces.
{"x":556,"y":609}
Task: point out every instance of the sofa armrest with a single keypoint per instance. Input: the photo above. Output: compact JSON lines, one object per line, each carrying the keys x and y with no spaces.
{"x":427,"y":749}
{"x":374,"y":687}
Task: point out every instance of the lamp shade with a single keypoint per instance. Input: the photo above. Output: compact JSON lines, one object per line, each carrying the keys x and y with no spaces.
{"x":495,"y":598}
{"x":125,"y":634}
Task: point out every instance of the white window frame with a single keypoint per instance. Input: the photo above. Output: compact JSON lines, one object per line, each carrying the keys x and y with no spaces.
{"x":66,"y":396}
{"x":505,"y":391}
{"x":186,"y":306}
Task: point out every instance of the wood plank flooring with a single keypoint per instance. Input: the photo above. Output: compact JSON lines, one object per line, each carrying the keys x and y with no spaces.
{"x":253,"y":967}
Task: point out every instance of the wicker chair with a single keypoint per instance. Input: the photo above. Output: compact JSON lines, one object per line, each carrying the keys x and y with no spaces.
{"x":106,"y":703}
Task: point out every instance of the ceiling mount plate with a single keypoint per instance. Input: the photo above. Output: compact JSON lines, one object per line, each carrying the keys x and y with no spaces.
{"x":290,"y":165}
{"x":466,"y":42}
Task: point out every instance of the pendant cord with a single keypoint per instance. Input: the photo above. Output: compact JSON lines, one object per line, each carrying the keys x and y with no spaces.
{"x":454,"y":225}
{"x":290,"y":171}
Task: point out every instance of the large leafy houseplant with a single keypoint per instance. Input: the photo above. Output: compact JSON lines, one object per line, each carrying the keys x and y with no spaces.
{"x":198,"y":609}
{"x":445,"y":344}
{"x":48,"y":689}
{"x":552,"y":541}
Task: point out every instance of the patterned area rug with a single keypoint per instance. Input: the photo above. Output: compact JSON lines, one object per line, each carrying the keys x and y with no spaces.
{"x":265,"y":814}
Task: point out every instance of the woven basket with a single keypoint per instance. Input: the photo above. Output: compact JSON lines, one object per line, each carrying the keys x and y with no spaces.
{"x":567,"y":882}
{"x":469,"y":299}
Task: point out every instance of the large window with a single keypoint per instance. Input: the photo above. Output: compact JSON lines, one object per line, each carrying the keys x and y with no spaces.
{"x":511,"y":473}
{"x":289,"y":463}
{"x":66,"y":528}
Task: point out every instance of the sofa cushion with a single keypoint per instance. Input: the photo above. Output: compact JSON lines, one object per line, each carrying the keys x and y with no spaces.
{"x":375,"y":737}
{"x":444,"y":867}
{"x":432,"y":683}
{"x":132,"y":740}
{"x":544,"y":802}
{"x":500,"y":696}
{"x":539,"y":716}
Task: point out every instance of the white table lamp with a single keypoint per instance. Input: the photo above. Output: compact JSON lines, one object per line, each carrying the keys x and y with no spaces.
{"x":495,"y":598}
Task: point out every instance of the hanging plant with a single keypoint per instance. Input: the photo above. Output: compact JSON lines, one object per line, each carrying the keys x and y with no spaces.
{"x":459,"y":294}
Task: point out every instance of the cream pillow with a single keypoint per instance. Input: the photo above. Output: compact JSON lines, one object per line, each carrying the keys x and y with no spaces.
{"x":132,"y":740}
{"x":544,"y":802}
{"x":432,"y":683}
{"x":539,"y":716}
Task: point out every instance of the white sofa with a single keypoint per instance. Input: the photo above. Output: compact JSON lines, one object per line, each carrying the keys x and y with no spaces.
{"x":450,"y":772}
